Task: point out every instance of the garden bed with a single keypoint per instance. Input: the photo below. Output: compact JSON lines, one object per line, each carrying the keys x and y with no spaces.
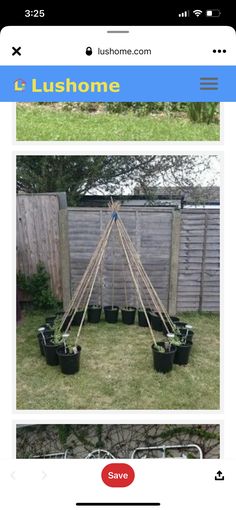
{"x":116,"y":370}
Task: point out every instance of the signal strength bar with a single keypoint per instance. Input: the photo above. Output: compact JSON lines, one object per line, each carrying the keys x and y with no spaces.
{"x":184,"y":14}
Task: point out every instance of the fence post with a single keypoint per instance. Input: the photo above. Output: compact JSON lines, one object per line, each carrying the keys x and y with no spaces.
{"x":101,"y":270}
{"x":65,"y":257}
{"x":137,"y":246}
{"x":174,"y":262}
{"x":203,"y":263}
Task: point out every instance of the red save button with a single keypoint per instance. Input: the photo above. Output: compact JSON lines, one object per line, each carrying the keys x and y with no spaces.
{"x":118,"y":475}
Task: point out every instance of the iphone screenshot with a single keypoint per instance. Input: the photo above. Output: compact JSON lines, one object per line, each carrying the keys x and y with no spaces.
{"x":117,"y":262}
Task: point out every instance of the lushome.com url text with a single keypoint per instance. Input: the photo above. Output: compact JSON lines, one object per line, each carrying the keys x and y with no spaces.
{"x":127,"y":51}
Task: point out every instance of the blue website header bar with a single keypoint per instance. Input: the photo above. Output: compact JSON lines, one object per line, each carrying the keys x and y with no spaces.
{"x":117,"y":83}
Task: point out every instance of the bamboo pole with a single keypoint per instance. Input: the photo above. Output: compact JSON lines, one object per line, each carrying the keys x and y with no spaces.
{"x":135,"y":282}
{"x":79,"y":298}
{"x":87,"y":283}
{"x":84,"y":277}
{"x":113,"y":272}
{"x":123,"y":274}
{"x":92,"y":285}
{"x":85,"y":288}
{"x":152,"y":295}
{"x":125,"y":288}
{"x":101,"y":286}
{"x":152,"y":292}
{"x":155,"y":298}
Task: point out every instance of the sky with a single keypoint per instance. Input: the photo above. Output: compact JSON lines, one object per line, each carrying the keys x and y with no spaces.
{"x":203,"y":178}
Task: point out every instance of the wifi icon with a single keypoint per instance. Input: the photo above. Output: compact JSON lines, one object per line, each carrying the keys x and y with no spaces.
{"x":197,"y":12}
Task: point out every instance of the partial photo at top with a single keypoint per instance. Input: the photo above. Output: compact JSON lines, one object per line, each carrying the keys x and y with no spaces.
{"x":118,"y":282}
{"x":117,"y":121}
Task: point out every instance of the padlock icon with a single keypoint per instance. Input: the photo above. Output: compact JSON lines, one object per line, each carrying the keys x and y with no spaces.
{"x":89,"y":51}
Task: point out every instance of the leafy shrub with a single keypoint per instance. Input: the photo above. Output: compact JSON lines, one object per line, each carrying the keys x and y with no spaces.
{"x":197,"y":112}
{"x":142,"y":108}
{"x":203,"y":112}
{"x":128,"y":107}
{"x":63,"y":431}
{"x":37,"y":285}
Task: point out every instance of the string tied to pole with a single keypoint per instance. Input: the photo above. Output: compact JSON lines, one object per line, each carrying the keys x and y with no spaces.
{"x":114,"y":216}
{"x":114,"y":206}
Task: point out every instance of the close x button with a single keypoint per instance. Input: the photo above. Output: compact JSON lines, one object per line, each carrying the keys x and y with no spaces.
{"x":16,"y":51}
{"x":118,"y":475}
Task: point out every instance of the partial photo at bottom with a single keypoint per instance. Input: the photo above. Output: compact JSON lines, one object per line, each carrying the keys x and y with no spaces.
{"x":104,"y":441}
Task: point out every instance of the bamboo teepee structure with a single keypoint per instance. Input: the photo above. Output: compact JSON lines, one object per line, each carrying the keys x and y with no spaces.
{"x":139,"y":277}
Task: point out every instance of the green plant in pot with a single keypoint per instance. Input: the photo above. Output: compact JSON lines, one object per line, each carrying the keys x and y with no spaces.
{"x":45,"y":335}
{"x":69,"y":356}
{"x":57,"y":339}
{"x":173,"y":339}
{"x":52,"y":331}
{"x":42,"y":339}
{"x":187,"y":332}
{"x":184,"y":346}
{"x":53,"y":343}
{"x":50,"y":320}
{"x":164,"y":353}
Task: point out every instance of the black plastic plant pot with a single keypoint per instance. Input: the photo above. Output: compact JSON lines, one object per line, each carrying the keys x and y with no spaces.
{"x":50,"y":320}
{"x":156,"y":321}
{"x":128,"y":315}
{"x":168,"y":329}
{"x":41,"y":344}
{"x":51,"y":353}
{"x":182,"y":353}
{"x":69,"y":362}
{"x":94,"y":313}
{"x":65,"y":323}
{"x":48,"y":332}
{"x":175,"y":319}
{"x":111,"y":314}
{"x":149,"y":313}
{"x":142,"y":321}
{"x":163,"y":361}
{"x":186,"y":333}
{"x":77,"y":318}
{"x":180,"y":324}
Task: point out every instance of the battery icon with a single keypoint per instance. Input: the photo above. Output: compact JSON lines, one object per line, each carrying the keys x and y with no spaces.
{"x":213,"y":13}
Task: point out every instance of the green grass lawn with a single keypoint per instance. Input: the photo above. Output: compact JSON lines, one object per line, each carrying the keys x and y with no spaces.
{"x":117,"y":370}
{"x":41,"y":123}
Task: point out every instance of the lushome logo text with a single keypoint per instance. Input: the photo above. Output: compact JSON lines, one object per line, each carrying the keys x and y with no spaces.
{"x":72,"y":86}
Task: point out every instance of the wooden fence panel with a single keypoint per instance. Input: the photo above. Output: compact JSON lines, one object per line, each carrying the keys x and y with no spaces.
{"x":199,"y":260}
{"x":180,"y":250}
{"x":210,"y":299}
{"x":38,"y":236}
{"x":150,"y":232}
